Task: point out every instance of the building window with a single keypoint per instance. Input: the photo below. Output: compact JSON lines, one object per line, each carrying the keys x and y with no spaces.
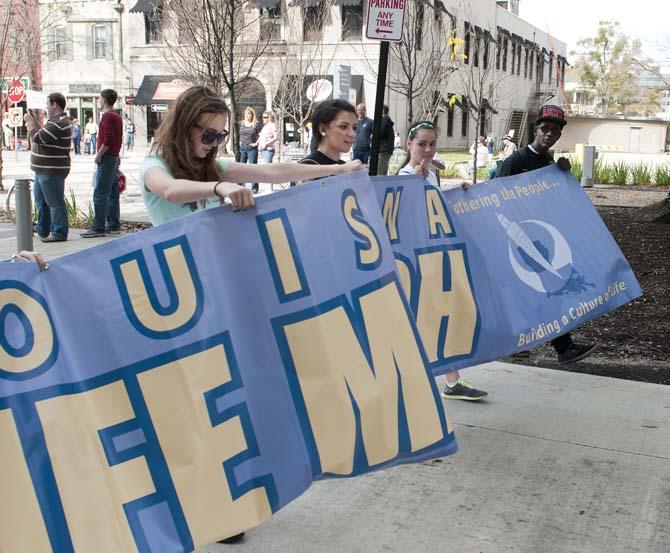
{"x":62,"y":43}
{"x":99,"y":42}
{"x":525,"y":63}
{"x":465,"y":117}
{"x":518,"y":58}
{"x":485,"y":61}
{"x":513,"y":57}
{"x":531,"y":61}
{"x":498,"y":46}
{"x":450,"y":121}
{"x":452,"y":35}
{"x":352,"y":22}
{"x":551,"y":66}
{"x":313,"y":22}
{"x":563,"y":72}
{"x":475,"y":61}
{"x":466,"y":39}
{"x":271,"y":22}
{"x":153,"y":26}
{"x":420,"y":18}
{"x":504,"y":56}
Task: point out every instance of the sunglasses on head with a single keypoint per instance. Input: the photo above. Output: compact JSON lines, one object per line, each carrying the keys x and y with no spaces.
{"x":209,"y":136}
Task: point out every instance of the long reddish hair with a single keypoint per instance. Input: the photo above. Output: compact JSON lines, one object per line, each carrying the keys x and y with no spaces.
{"x":172,"y":141}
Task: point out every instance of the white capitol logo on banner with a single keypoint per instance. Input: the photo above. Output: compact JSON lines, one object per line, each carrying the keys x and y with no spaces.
{"x":319,"y":90}
{"x":543,"y":263}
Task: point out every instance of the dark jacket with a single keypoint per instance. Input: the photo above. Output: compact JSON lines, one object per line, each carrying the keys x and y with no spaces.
{"x":387,"y":136}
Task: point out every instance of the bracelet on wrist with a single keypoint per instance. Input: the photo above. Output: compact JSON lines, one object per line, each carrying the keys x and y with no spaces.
{"x":215,"y":187}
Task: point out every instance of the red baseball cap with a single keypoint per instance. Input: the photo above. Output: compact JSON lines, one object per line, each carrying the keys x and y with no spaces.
{"x":552,"y":113}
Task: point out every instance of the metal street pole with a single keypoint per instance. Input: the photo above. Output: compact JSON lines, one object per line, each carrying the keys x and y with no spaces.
{"x":379,"y":104}
{"x":24,"y":215}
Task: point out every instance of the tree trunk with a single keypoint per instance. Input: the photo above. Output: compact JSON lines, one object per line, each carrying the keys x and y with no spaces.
{"x":658,"y":212}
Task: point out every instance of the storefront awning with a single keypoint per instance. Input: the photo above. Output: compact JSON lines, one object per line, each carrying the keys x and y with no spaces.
{"x":440,"y":6}
{"x":146,"y":6}
{"x":266,"y":3}
{"x":304,"y":3}
{"x":505,"y":32}
{"x":345,"y":2}
{"x":159,"y":89}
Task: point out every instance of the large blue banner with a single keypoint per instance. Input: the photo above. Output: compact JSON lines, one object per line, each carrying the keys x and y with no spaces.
{"x":503,"y":266}
{"x":179,"y":385}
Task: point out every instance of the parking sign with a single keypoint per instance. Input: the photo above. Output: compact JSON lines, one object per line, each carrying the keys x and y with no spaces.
{"x":386,"y":19}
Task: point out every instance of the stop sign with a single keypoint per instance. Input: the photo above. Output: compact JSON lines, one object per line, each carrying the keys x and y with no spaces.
{"x":15,"y":91}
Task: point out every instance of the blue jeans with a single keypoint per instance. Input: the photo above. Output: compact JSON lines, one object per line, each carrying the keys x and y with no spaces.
{"x":130,"y":140}
{"x":363,"y":154}
{"x":268,"y":155}
{"x":249,"y":154}
{"x":106,"y":195}
{"x":50,"y":202}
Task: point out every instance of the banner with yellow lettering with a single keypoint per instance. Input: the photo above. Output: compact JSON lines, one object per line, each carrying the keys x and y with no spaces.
{"x":177,"y":386}
{"x":503,"y":266}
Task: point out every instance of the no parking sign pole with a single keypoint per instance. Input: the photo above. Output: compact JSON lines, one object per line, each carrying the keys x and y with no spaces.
{"x":386,"y":19}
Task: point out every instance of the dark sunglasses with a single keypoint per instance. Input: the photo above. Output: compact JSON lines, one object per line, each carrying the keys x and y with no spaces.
{"x":209,"y":136}
{"x":550,"y":130}
{"x":266,"y":117}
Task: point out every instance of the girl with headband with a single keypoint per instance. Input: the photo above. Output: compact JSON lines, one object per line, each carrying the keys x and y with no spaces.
{"x":421,"y":145}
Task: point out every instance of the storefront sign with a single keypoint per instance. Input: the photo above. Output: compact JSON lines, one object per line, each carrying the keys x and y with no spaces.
{"x":85,"y":88}
{"x":159,"y":108}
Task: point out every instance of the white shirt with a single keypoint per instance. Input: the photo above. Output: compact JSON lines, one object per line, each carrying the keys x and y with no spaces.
{"x":430,"y":179}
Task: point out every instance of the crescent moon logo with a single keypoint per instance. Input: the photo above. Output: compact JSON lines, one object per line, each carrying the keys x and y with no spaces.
{"x":543,"y":263}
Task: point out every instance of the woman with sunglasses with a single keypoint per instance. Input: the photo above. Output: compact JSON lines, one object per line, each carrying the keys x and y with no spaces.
{"x":182,"y":173}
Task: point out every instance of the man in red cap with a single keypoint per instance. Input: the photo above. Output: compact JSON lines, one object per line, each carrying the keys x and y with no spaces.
{"x":548,"y":128}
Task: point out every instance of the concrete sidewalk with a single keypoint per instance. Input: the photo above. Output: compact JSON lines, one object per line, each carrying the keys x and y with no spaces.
{"x":552,"y":462}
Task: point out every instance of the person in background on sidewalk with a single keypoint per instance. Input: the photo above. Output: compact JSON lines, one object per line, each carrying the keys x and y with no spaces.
{"x":508,"y":147}
{"x":421,"y":147}
{"x":7,"y":131}
{"x":250,"y":129}
{"x":129,"y":127}
{"x":387,"y":138}
{"x":76,"y":136}
{"x":90,"y":136}
{"x":50,"y":160}
{"x":267,"y":138}
{"x":106,"y":189}
{"x":363,"y":135}
{"x":548,"y":129}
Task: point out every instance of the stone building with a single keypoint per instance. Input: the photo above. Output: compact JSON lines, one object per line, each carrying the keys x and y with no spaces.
{"x":127,"y":47}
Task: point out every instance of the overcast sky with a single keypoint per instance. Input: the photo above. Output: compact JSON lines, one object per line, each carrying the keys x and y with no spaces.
{"x":570,"y":20}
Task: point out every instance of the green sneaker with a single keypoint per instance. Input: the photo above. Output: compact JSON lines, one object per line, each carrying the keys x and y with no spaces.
{"x":463,"y":390}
